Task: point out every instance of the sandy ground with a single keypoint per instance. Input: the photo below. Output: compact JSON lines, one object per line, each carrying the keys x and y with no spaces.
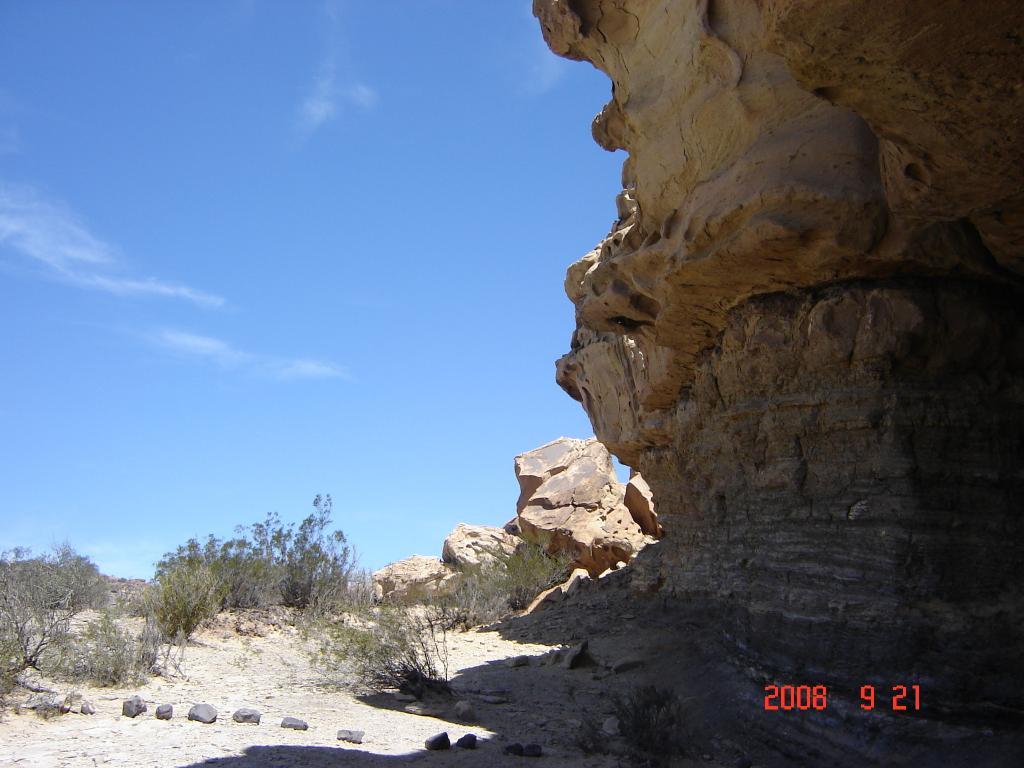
{"x":536,"y":703}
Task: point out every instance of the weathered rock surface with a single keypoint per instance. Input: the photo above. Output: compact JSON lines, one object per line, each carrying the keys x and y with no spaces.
{"x":640,"y":502}
{"x":414,"y":578}
{"x":133,"y":707}
{"x":203,"y":713}
{"x":805,"y":330}
{"x":247,"y":715}
{"x":473,"y":546}
{"x":570,"y":501}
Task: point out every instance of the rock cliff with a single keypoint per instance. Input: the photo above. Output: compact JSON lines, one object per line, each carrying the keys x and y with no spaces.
{"x":804,"y":329}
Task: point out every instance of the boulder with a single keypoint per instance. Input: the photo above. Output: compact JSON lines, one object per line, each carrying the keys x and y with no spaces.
{"x":571,"y":501}
{"x":203,"y":713}
{"x":414,"y":579}
{"x":133,"y":707}
{"x":640,"y":502}
{"x":473,"y":546}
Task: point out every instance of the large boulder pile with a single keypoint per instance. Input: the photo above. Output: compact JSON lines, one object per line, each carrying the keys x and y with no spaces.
{"x":475,"y":546}
{"x":419,"y":577}
{"x":571,"y":501}
{"x":806,"y":330}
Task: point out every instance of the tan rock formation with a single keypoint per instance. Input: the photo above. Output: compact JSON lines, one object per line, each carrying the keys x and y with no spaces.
{"x":570,"y":501}
{"x":472,"y":546}
{"x":415,"y":578}
{"x":640,"y":502}
{"x":805,"y":329}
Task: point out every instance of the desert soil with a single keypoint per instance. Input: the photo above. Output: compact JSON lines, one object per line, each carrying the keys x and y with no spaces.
{"x":535,"y":703}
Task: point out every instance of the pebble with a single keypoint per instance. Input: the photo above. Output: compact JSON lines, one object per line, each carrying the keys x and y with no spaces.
{"x":164,"y":712}
{"x":353,"y":737}
{"x":467,"y":742}
{"x":295,"y":724}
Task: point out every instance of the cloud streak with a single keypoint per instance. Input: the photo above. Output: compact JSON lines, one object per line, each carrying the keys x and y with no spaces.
{"x":55,"y":237}
{"x":332,"y":91}
{"x":224,"y":355}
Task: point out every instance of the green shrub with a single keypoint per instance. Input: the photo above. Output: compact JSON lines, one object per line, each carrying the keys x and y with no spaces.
{"x":270,"y":563}
{"x":183,"y":598}
{"x":106,"y":654}
{"x":390,"y":648}
{"x":39,"y":597}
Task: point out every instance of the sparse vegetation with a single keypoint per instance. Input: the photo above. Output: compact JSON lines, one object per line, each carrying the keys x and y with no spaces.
{"x":495,"y":590}
{"x":270,"y":563}
{"x":39,"y":597}
{"x":391,"y":647}
{"x":184,"y":596}
{"x":105,"y":653}
{"x":651,"y":723}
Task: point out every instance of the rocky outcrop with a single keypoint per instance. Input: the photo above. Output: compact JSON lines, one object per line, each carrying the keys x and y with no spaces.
{"x":475,"y":546}
{"x":570,"y":501}
{"x":640,"y":502}
{"x":804,"y":329}
{"x":415,"y":578}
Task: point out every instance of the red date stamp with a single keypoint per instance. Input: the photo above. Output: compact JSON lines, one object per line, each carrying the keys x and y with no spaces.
{"x":899,"y":698}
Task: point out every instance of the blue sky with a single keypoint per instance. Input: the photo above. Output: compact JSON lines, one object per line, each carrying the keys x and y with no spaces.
{"x":254,"y":251}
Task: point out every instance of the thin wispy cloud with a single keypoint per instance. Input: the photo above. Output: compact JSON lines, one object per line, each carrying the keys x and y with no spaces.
{"x":224,"y":355}
{"x":53,"y":236}
{"x":332,"y":90}
{"x":545,"y":70}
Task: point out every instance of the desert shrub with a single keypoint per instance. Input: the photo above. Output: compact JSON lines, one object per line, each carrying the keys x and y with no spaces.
{"x":183,"y":598}
{"x":509,"y":584}
{"x":391,"y":647}
{"x":39,"y":597}
{"x":651,"y":722}
{"x":107,"y":654}
{"x":271,"y":563}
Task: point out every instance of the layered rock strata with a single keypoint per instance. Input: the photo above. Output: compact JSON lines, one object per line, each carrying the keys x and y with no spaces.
{"x":804,"y":329}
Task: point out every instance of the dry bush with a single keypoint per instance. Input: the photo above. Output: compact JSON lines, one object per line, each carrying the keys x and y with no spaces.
{"x":39,"y":597}
{"x":510,"y":584}
{"x":104,"y":653}
{"x":651,"y":722}
{"x":389,"y":648}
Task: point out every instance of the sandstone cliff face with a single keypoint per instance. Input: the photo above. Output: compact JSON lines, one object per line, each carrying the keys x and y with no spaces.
{"x":804,"y":328}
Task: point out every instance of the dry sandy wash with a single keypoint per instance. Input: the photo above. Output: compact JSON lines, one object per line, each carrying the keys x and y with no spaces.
{"x":534,"y":703}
